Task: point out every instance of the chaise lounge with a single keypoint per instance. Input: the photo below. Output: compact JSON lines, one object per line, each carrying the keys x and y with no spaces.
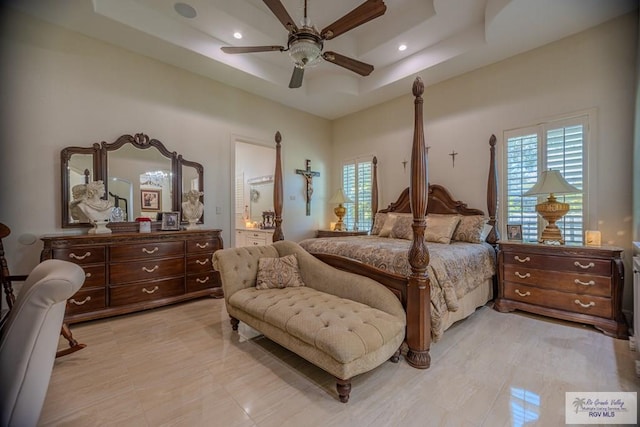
{"x":341,"y":322}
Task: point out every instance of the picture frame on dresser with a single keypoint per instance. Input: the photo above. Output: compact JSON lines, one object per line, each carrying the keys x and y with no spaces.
{"x":514,"y":232}
{"x":170,"y":221}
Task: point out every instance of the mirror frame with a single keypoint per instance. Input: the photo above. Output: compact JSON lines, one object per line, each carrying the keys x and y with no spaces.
{"x":100,"y":172}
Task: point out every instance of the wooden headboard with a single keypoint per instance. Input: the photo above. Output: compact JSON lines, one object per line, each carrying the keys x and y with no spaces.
{"x":440,"y":202}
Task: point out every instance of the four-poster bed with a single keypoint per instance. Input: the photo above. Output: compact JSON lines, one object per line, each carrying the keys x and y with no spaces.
{"x":413,"y":285}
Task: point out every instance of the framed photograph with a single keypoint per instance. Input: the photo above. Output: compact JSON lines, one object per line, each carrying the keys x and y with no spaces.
{"x":170,"y":221}
{"x":514,"y":232}
{"x":150,"y":200}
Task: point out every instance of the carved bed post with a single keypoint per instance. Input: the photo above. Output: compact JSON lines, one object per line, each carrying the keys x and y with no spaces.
{"x":492,"y":192}
{"x":418,"y":290}
{"x":277,"y":191}
{"x":374,"y":192}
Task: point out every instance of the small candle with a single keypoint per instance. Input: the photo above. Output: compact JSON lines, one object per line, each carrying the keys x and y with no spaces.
{"x":592,"y":238}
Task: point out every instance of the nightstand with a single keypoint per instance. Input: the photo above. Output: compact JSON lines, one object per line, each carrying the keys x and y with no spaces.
{"x":332,"y":233}
{"x":577,"y":283}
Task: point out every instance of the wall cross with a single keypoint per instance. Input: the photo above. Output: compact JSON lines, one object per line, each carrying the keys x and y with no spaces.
{"x":453,"y":155}
{"x":308,"y":175}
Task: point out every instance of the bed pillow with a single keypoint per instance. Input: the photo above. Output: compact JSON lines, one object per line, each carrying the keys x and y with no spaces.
{"x":440,"y":228}
{"x":278,"y":273}
{"x":378,"y":222}
{"x":402,"y":228}
{"x":392,"y":217}
{"x":470,"y":229}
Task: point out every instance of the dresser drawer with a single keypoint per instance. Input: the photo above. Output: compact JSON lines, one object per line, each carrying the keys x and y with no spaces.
{"x":94,"y":276}
{"x":199,"y":263}
{"x":127,"y":272}
{"x":559,"y":263}
{"x":81,"y":255}
{"x":560,"y":281}
{"x":202,"y":245}
{"x":577,"y":303}
{"x":85,"y":301}
{"x":198,"y":282}
{"x":146,"y":250}
{"x":254,"y":241}
{"x":147,"y":291}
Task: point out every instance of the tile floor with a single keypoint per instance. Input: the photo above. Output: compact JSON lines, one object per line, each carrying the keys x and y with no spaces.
{"x":183,"y":366}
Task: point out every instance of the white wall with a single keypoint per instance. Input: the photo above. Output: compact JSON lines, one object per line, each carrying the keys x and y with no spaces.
{"x":591,"y":70}
{"x":63,"y":89}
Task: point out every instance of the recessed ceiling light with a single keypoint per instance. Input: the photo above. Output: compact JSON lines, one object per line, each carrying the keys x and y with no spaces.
{"x":237,"y":35}
{"x":185,"y":10}
{"x":402,"y":47}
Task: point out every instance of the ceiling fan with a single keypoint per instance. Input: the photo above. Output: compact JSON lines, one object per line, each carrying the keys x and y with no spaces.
{"x":305,"y":43}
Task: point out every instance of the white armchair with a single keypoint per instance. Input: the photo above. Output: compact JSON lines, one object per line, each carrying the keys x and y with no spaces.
{"x":29,"y":340}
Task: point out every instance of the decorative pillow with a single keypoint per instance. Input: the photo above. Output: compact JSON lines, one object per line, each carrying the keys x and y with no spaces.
{"x":402,"y":228}
{"x":277,"y":273}
{"x":440,"y":228}
{"x":470,"y":229}
{"x":378,"y":222}
{"x":385,"y":231}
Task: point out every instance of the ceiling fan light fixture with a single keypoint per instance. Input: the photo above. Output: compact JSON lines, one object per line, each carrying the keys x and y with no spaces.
{"x":305,"y":53}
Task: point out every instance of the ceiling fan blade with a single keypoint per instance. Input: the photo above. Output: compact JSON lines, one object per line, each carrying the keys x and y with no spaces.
{"x":250,"y":49}
{"x":364,"y":13}
{"x":296,"y":78}
{"x":349,"y":63}
{"x":281,"y":13}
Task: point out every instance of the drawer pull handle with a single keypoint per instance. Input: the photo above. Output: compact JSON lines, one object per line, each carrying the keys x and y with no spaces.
{"x":152,"y":251}
{"x":150,"y":270}
{"x":202,"y":262}
{"x":584,"y":267}
{"x":522,"y":276}
{"x":87,"y":275}
{"x":580,"y":282}
{"x":591,"y":304}
{"x":205,"y":280}
{"x":72,"y":301}
{"x":526,"y":259}
{"x":80,"y":257}
{"x":202,"y":246}
{"x":523,"y":294}
{"x":146,"y":291}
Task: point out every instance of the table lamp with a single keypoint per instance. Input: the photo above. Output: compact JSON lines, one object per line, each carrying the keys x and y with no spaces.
{"x":340,"y":211}
{"x":551,"y":182}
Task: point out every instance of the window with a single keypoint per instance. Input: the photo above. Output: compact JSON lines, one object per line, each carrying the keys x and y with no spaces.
{"x":559,"y":145}
{"x":357,"y":180}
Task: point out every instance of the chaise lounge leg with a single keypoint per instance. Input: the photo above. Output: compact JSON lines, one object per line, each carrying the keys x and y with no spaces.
{"x":396,"y":356}
{"x":344,"y":388}
{"x":234,"y":323}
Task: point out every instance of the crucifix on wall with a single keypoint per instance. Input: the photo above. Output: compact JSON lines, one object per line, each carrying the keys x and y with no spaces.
{"x":308,"y":175}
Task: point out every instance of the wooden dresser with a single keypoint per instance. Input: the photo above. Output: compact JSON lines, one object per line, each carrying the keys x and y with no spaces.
{"x":577,"y":283}
{"x":128,"y":272}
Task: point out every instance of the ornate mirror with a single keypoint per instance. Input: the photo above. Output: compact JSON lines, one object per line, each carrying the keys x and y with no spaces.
{"x":141,"y":176}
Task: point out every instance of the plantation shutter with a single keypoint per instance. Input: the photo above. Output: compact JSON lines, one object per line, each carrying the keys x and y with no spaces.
{"x":357,"y":177}
{"x":555,"y":145}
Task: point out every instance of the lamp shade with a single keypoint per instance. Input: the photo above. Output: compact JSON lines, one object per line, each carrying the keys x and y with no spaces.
{"x":339,"y":197}
{"x":549,"y":182}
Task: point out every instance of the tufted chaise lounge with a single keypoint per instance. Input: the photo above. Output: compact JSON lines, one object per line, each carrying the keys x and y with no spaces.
{"x":341,"y":322}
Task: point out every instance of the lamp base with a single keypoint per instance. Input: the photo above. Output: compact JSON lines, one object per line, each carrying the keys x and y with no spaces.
{"x":340,"y":212}
{"x":552,"y":210}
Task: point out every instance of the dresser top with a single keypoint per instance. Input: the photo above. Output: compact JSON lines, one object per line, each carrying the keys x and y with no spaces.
{"x":568,"y":249}
{"x":130,"y":236}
